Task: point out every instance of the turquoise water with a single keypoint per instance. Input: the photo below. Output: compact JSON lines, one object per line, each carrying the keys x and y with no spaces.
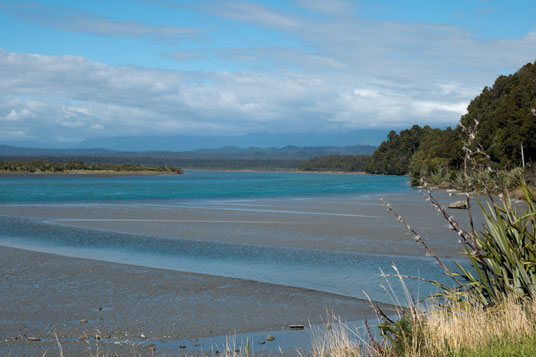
{"x":192,"y":185}
{"x":344,"y":273}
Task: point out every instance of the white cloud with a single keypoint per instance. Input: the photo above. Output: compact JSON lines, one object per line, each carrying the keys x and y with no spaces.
{"x":366,"y":93}
{"x":15,"y":115}
{"x":14,"y":134}
{"x":252,"y":12}
{"x":88,"y":22}
{"x":349,"y":73}
{"x":429,"y":107}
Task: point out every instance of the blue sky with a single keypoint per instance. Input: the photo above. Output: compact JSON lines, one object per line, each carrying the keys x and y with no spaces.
{"x":73,"y":70}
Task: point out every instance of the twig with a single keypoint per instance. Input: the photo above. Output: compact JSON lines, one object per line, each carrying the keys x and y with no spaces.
{"x":59,"y":344}
{"x":453,"y":224}
{"x":369,"y":332}
{"x":433,"y":282}
{"x":378,"y":311}
{"x":418,"y":238}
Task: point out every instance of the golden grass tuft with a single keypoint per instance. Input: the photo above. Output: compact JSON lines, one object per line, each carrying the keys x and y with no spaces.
{"x":439,"y":331}
{"x":337,"y":339}
{"x":454,"y":328}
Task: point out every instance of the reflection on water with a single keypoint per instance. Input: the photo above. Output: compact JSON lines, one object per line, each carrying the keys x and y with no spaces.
{"x":349,"y":274}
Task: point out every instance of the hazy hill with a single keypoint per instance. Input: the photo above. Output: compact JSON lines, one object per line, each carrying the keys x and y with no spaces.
{"x":229,"y":157}
{"x":290,"y":152}
{"x":7,"y":150}
{"x":261,"y":140}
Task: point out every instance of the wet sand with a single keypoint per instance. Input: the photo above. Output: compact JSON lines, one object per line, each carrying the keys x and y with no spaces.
{"x":354,"y":224}
{"x":43,"y":293}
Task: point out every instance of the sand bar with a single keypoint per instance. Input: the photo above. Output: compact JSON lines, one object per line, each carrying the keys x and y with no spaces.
{"x":355,"y":224}
{"x":43,"y":293}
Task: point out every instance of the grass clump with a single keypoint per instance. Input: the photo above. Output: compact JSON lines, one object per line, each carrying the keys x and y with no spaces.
{"x":491,"y":307}
{"x":491,"y":302}
{"x":336,"y":340}
{"x":501,"y":348}
{"x":463,"y":328}
{"x":436,"y":329}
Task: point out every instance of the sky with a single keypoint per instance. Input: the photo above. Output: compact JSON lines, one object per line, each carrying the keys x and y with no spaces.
{"x":73,"y":70}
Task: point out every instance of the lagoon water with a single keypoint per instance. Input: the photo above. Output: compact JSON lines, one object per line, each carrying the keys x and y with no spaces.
{"x":191,"y":185}
{"x":324,"y":232}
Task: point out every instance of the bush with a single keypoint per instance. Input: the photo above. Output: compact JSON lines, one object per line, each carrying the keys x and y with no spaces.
{"x":503,"y":256}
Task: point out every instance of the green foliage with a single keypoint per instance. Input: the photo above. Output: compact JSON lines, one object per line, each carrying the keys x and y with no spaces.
{"x":502,"y":268}
{"x":72,"y":166}
{"x":439,"y":153}
{"x":345,"y":163}
{"x":504,"y":263}
{"x":504,"y":347}
{"x":229,"y":163}
{"x":417,"y":151}
{"x":403,"y":336}
{"x":393,"y":156}
{"x":507,"y":117}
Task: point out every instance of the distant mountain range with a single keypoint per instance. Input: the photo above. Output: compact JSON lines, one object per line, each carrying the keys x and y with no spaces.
{"x":228,"y":157}
{"x":288,"y":152}
{"x":260,"y":140}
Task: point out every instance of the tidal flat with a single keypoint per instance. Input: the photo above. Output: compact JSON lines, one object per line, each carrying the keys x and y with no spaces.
{"x":184,"y":270}
{"x":42,"y":294}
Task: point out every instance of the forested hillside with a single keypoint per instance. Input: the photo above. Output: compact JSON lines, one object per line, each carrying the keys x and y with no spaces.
{"x":394,"y":155}
{"x":286,"y":158}
{"x":506,"y":117}
{"x":344,"y":163}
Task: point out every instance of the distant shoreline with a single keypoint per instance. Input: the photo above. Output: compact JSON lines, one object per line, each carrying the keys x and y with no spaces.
{"x":279,"y":170}
{"x":88,"y":173}
{"x":156,"y":173}
{"x":334,"y":172}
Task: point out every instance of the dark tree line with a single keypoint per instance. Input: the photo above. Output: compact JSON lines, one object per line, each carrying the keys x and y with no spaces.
{"x":344,"y":163}
{"x":506,"y":115}
{"x":185,"y":162}
{"x":73,"y":166}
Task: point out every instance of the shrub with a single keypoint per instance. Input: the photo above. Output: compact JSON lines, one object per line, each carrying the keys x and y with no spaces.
{"x":503,"y":256}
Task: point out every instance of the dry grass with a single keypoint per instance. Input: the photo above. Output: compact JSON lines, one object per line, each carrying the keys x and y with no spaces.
{"x":438,"y":331}
{"x":473,"y":328}
{"x":337,"y":339}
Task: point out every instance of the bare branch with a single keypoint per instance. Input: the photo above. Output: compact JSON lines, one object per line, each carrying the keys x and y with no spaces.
{"x":418,"y":238}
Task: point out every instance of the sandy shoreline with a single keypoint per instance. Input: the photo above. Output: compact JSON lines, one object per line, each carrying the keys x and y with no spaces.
{"x":282,"y":170}
{"x":85,"y":173}
{"x":356,"y":224}
{"x":43,"y":293}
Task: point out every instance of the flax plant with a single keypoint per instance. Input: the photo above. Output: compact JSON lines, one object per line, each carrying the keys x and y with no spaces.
{"x":505,"y":264}
{"x":503,"y":256}
{"x":502,"y":266}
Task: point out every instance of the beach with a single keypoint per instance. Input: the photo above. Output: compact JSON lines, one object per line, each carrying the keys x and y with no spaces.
{"x":354,"y":223}
{"x":210,"y":268}
{"x":43,"y":294}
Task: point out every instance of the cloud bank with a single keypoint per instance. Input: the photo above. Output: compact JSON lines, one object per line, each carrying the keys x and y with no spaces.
{"x":349,"y":73}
